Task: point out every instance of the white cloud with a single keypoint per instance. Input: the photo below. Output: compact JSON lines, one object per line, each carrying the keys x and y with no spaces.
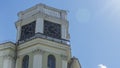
{"x":102,"y":66}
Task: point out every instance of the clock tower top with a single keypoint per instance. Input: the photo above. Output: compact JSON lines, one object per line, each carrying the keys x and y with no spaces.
{"x":42,"y":21}
{"x":42,"y":41}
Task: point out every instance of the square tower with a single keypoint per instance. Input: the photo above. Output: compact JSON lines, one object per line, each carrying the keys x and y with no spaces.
{"x":43,"y":38}
{"x":43,"y":21}
{"x":42,"y":41}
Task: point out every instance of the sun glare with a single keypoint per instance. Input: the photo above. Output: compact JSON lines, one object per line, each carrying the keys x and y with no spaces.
{"x":115,"y":6}
{"x":111,"y":8}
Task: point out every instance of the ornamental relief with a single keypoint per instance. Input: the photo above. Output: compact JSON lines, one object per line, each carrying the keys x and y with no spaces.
{"x":38,"y":51}
{"x":8,"y":56}
{"x":64,"y":57}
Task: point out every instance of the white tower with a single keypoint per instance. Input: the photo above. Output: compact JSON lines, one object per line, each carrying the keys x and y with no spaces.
{"x":42,"y":40}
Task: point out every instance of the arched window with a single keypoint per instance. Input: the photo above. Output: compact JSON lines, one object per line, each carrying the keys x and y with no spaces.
{"x":51,"y":61}
{"x":25,"y":61}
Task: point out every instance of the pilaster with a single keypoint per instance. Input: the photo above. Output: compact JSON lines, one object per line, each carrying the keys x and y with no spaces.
{"x":64,"y":61}
{"x":37,"y":59}
{"x":18,"y":32}
{"x":39,"y":25}
{"x":8,"y":61}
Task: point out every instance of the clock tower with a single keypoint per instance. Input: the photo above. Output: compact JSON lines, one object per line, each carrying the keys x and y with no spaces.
{"x":43,"y":40}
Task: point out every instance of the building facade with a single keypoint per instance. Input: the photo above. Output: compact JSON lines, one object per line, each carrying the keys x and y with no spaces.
{"x":42,"y":41}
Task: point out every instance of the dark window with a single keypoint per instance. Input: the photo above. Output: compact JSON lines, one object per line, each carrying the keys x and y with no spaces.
{"x":28,"y":30}
{"x":52,"y":29}
{"x":51,"y":61}
{"x":25,"y":61}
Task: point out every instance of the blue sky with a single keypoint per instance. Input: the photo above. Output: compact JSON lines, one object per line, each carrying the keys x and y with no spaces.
{"x":94,"y":28}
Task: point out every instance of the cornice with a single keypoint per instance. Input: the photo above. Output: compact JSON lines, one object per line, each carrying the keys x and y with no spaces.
{"x":43,"y":42}
{"x":7,"y":45}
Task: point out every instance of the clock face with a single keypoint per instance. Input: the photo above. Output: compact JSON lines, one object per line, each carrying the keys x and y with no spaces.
{"x":52,"y":29}
{"x":27,"y":31}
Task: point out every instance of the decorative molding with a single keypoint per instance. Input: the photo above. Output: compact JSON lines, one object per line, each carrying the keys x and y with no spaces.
{"x":38,"y":51}
{"x":8,"y":56}
{"x":64,"y":57}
